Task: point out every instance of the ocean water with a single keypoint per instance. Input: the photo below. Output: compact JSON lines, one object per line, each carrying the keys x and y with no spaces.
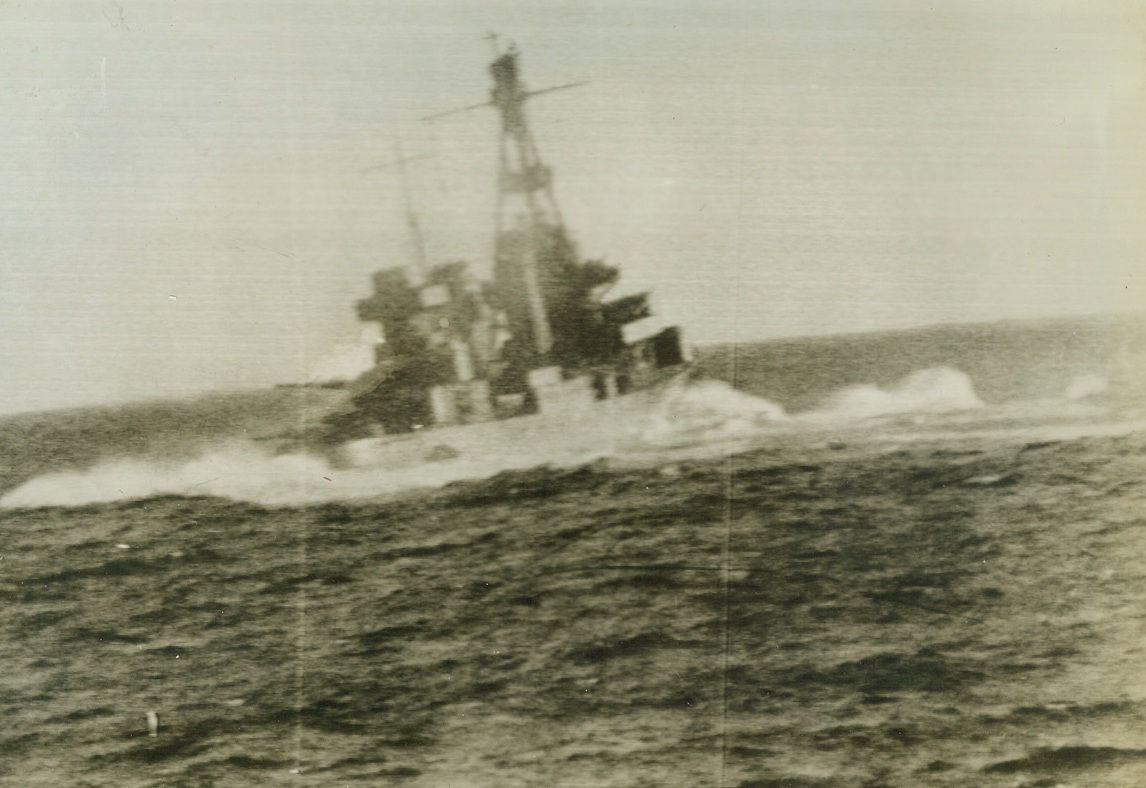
{"x":902,"y":559}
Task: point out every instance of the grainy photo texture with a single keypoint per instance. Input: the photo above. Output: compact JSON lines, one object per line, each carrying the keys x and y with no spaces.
{"x":578,"y":394}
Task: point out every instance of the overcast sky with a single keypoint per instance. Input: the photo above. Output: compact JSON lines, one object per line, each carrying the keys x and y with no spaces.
{"x":189,"y":196}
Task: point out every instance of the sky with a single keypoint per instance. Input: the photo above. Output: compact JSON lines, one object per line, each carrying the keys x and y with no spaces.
{"x":194,"y":194}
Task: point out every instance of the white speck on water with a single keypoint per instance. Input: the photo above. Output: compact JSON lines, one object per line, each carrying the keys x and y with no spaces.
{"x":123,"y":546}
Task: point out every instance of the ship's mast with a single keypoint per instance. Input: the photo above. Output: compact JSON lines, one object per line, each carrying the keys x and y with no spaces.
{"x":525,"y":195}
{"x":529,"y":232}
{"x":422,"y":270}
{"x":419,"y":271}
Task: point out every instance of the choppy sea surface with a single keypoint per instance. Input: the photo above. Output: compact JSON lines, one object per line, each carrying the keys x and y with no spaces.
{"x":904,"y":559}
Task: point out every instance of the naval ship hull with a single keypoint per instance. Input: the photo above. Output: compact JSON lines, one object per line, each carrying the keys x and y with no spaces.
{"x":569,"y":430}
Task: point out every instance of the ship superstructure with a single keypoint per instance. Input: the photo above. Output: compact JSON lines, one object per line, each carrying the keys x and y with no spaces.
{"x":537,"y":336}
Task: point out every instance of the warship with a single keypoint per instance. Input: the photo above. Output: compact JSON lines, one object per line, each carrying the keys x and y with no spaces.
{"x":539,"y":337}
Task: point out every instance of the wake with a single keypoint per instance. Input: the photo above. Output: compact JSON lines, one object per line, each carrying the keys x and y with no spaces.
{"x":936,"y":390}
{"x":686,"y":419}
{"x":238,"y":470}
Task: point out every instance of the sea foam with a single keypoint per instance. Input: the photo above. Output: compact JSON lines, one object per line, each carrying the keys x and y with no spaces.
{"x":235,"y":470}
{"x":706,"y":411}
{"x":1083,"y":387}
{"x":933,"y":390}
{"x":693,"y":417}
{"x":247,"y":473}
